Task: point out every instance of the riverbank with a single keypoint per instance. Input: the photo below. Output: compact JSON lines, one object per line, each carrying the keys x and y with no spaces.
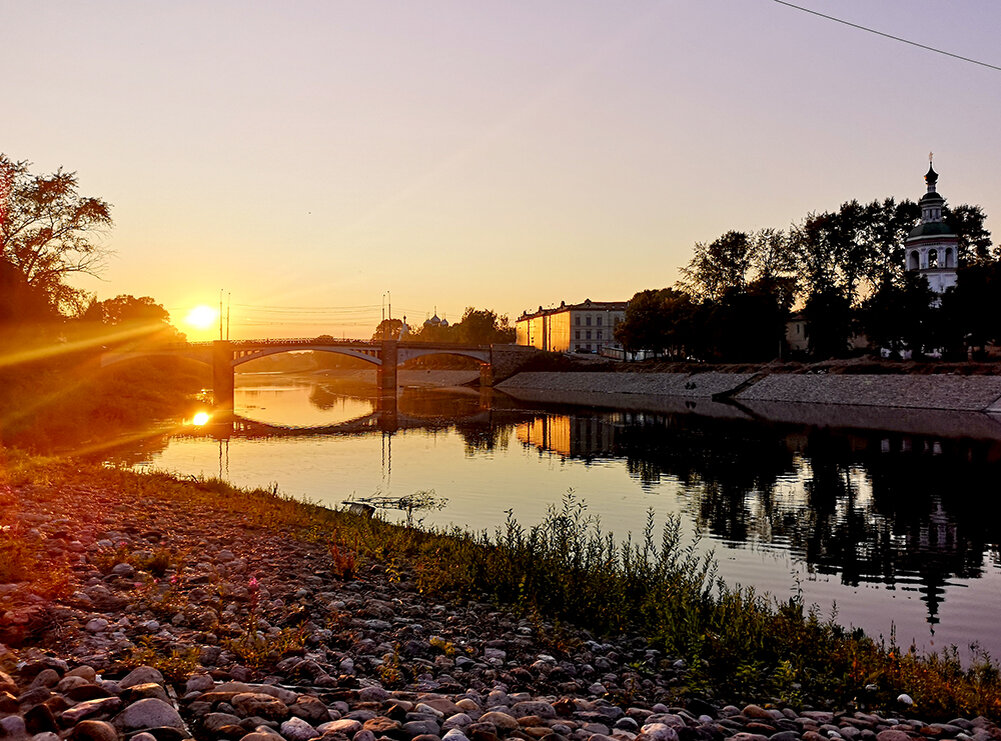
{"x":272,"y":617}
{"x":972,"y":393}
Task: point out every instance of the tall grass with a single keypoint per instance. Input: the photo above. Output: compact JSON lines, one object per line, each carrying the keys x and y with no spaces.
{"x":738,"y":645}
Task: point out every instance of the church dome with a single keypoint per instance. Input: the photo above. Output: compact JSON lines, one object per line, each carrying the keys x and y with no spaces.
{"x":931,"y":229}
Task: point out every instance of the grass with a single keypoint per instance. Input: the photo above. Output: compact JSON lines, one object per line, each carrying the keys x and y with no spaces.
{"x":740,"y":646}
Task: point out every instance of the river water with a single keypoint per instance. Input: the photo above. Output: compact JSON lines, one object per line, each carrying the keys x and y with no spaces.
{"x":888,"y":520}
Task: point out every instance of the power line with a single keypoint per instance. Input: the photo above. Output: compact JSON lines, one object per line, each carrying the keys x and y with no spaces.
{"x":889,"y":36}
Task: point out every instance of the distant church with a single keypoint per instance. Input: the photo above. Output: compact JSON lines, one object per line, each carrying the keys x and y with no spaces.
{"x":932,"y":247}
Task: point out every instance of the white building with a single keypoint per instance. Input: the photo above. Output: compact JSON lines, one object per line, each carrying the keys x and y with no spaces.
{"x":588,"y":327}
{"x":931,"y":249}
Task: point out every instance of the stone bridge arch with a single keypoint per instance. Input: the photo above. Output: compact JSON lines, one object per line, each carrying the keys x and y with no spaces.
{"x":241,"y":357}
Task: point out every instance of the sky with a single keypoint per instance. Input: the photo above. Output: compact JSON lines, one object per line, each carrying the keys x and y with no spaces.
{"x":309,"y":160}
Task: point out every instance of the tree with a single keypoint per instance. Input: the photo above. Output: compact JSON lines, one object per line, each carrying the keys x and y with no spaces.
{"x":717,"y":267}
{"x":974,"y":239}
{"x":48,"y":231}
{"x":658,"y":320}
{"x":136,"y":319}
{"x":483,"y":327}
{"x":388,"y":329}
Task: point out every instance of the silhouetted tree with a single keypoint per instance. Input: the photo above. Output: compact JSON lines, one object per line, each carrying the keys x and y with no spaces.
{"x":483,"y":327}
{"x":137,"y":319}
{"x":388,"y":329}
{"x":48,"y":231}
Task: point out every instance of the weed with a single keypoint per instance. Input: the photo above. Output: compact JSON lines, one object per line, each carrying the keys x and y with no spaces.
{"x":176,"y":665}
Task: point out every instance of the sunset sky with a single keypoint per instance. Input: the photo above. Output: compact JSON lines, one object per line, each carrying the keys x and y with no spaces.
{"x":308,"y":157}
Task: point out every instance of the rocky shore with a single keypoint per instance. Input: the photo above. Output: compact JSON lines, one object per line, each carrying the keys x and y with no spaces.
{"x":163,"y":619}
{"x":941,"y":392}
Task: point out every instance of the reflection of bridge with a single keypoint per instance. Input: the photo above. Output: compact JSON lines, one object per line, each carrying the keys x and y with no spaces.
{"x":497,"y":362}
{"x":385,"y":418}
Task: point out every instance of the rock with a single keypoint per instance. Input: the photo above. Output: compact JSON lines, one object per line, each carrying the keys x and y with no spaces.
{"x":96,"y":625}
{"x":40,"y":719}
{"x":89,"y":708}
{"x":757,"y":712}
{"x":147,"y":714}
{"x":199,"y":683}
{"x":142,"y":691}
{"x":12,"y":727}
{"x":296,"y":729}
{"x":310,"y":709}
{"x":657,"y":732}
{"x":539,"y":708}
{"x":84,"y":672}
{"x":892,"y":735}
{"x":94,"y":730}
{"x":372,"y":694}
{"x":501,"y":721}
{"x":348,"y":727}
{"x":259,"y":703}
{"x":381,"y":726}
{"x":905,"y":699}
{"x":141,"y":675}
{"x":421,"y":728}
{"x":213,"y":722}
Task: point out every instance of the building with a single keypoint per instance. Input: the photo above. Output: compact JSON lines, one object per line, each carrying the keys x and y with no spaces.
{"x":588,"y":327}
{"x":931,"y":249}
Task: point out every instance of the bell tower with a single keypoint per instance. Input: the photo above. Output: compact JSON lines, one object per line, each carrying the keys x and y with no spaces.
{"x":931,"y":249}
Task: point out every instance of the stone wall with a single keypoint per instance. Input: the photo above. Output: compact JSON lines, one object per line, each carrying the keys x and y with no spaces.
{"x":959,"y":393}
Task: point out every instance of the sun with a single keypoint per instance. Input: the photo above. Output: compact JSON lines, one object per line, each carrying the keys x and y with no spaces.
{"x":202,"y":317}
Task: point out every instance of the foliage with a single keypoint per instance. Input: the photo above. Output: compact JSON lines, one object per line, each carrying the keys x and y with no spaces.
{"x":739,"y":645}
{"x":48,"y":231}
{"x":657,"y":320}
{"x":148,"y":320}
{"x":388,"y":329}
{"x":477,"y":327}
{"x":175,"y":664}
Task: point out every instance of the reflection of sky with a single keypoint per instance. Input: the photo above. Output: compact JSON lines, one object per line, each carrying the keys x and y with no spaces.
{"x":777,"y":529}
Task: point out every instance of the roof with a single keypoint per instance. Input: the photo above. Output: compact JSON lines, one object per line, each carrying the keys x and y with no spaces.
{"x":586,"y":305}
{"x":931,"y":229}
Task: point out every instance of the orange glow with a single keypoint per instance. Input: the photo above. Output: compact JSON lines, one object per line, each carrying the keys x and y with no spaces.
{"x":202,"y":317}
{"x":200,"y":419}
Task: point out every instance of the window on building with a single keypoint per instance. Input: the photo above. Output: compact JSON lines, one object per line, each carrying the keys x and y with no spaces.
{"x":589,"y":321}
{"x":577,"y":320}
{"x":587,"y":347}
{"x":599,"y":321}
{"x":588,"y":334}
{"x":577,"y":335}
{"x":599,"y":334}
{"x":933,"y":258}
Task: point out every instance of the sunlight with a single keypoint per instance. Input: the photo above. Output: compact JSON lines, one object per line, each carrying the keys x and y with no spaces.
{"x":200,"y":419}
{"x":202,"y":317}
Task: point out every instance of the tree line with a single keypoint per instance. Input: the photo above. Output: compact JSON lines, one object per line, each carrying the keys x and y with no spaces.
{"x":844,"y":270}
{"x":477,"y":327}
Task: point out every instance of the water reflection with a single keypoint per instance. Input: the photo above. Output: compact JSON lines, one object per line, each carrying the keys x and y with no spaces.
{"x":908,"y":512}
{"x":869,"y":517}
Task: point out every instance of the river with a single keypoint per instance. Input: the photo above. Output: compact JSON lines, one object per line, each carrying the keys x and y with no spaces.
{"x":888,"y":530}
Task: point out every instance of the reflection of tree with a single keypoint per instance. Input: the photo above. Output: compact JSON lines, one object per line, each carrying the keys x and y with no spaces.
{"x":484,"y":438}
{"x":326,"y":398}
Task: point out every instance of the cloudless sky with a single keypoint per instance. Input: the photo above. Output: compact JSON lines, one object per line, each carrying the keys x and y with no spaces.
{"x":309,"y":156}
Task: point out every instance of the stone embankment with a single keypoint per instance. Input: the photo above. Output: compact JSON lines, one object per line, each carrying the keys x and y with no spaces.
{"x":943,"y":392}
{"x":366,"y":657}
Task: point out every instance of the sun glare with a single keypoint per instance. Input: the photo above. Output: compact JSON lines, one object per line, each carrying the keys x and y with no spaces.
{"x":202,"y":317}
{"x":200,"y":419}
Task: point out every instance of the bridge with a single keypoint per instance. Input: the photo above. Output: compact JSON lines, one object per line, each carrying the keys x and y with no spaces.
{"x":497,"y":362}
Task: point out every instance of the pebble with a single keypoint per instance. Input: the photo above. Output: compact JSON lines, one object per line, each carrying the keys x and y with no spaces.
{"x":374,"y":662}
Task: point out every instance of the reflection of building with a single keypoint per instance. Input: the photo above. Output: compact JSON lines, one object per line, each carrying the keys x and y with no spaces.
{"x":575,"y":437}
{"x":586,"y":327}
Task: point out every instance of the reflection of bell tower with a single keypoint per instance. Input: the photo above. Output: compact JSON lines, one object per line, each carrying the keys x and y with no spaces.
{"x":931,"y":249}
